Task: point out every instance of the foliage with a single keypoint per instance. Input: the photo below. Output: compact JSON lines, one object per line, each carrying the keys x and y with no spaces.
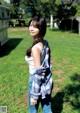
{"x":64,"y":11}
{"x":3,"y":2}
{"x":36,"y":7}
{"x":15,"y":8}
{"x":78,"y":10}
{"x":58,"y":8}
{"x":58,"y":2}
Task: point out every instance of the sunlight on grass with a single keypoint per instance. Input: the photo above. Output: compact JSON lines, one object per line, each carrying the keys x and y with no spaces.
{"x":14,"y":76}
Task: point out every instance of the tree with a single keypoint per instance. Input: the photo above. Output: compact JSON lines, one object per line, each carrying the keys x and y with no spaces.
{"x":14,"y":6}
{"x":67,"y":9}
{"x":77,"y":6}
{"x":44,"y":7}
{"x":3,"y":2}
{"x":30,"y":6}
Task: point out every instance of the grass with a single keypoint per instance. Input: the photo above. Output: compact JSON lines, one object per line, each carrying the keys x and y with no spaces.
{"x":14,"y":76}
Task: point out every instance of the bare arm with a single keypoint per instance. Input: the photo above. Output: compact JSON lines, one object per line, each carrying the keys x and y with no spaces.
{"x":36,"y":58}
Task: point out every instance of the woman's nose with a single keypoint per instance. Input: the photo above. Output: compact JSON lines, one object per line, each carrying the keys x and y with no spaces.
{"x":31,"y":27}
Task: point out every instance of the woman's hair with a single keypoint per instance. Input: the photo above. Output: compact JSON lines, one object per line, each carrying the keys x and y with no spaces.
{"x":40,"y":23}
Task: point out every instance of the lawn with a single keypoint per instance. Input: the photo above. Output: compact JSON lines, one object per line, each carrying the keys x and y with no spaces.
{"x":65,"y":48}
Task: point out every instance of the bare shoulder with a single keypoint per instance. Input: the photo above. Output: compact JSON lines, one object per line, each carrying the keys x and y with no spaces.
{"x":34,"y":48}
{"x":35,"y":51}
{"x":40,"y":44}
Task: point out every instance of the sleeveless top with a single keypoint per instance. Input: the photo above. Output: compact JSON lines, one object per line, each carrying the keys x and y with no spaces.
{"x":30,"y":60}
{"x":42,"y":76}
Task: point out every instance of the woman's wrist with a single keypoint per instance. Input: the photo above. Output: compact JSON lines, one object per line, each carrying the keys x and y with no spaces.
{"x":33,"y":101}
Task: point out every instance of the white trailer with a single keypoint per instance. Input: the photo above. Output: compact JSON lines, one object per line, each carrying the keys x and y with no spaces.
{"x":4,"y":24}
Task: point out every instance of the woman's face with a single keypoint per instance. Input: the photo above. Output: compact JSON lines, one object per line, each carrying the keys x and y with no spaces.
{"x":34,"y":31}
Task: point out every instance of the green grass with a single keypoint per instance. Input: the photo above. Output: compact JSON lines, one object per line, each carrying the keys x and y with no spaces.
{"x":14,"y":75}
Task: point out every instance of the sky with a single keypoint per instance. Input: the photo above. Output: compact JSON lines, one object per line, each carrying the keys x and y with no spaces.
{"x":7,"y":1}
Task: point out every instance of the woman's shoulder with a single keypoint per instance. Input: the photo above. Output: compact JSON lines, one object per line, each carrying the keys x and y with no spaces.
{"x":35,"y":50}
{"x":38,"y":46}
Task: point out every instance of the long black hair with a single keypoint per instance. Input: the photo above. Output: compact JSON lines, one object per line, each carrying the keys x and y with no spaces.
{"x":40,"y":23}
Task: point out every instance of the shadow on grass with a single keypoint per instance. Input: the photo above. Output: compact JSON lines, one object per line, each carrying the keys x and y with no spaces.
{"x":59,"y":30}
{"x":57,"y":102}
{"x":9,"y":46}
{"x":70,"y":94}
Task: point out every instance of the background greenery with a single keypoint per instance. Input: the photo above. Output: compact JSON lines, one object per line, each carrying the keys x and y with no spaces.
{"x":14,"y":76}
{"x":58,"y":8}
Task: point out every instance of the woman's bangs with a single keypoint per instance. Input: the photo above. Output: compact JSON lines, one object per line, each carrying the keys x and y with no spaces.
{"x":35,"y":24}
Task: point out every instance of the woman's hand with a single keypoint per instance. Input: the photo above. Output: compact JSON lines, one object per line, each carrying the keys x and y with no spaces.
{"x":33,"y":101}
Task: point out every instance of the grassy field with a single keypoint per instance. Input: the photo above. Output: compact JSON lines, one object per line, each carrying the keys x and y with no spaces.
{"x":65,"y":48}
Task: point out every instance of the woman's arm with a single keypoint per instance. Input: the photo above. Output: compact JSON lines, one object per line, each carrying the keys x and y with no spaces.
{"x":36,"y":58}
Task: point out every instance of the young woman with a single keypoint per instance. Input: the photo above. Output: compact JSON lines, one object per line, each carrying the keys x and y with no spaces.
{"x":38,"y":58}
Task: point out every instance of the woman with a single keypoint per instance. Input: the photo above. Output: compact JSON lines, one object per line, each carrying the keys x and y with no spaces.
{"x":38,"y":58}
